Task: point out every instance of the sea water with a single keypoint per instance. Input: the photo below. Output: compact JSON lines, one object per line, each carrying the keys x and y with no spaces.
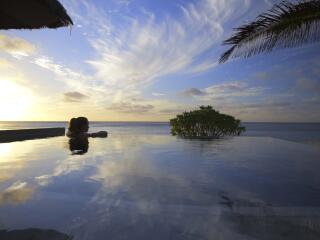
{"x":142,"y":183}
{"x":308,"y":133}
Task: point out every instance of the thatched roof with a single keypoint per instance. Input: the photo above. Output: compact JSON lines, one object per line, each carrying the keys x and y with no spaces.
{"x":33,"y":14}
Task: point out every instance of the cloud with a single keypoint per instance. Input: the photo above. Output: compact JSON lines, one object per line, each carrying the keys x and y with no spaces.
{"x":268,"y":105}
{"x":145,"y":49}
{"x":232,"y":87}
{"x":158,"y":94}
{"x":74,"y":97}
{"x":309,"y":85}
{"x":16,"y":46}
{"x":270,"y":2}
{"x":139,"y":49}
{"x":123,"y":3}
{"x":128,"y":107}
{"x":5,"y":64}
{"x":223,"y":91}
{"x":278,"y":110}
{"x":192,"y":92}
{"x":64,"y":73}
{"x":315,"y":100}
{"x":174,"y":110}
{"x":73,"y":79}
{"x":203,"y":67}
{"x":261,"y":76}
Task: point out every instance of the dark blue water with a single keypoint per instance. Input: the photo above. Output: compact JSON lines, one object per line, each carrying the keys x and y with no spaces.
{"x":141,"y":183}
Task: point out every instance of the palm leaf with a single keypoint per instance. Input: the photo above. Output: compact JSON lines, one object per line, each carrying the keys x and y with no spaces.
{"x":286,"y":25}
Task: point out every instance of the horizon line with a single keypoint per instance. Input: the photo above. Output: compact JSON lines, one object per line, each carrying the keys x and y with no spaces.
{"x":62,"y":121}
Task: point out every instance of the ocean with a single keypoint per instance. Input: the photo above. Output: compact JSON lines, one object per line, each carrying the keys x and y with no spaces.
{"x":308,"y":133}
{"x":141,"y":183}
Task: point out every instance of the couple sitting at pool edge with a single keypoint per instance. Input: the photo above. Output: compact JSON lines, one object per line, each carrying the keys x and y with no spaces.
{"x":78,"y":128}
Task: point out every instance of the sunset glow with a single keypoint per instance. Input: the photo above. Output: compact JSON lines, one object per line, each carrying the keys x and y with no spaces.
{"x":15,"y":101}
{"x":149,"y":60}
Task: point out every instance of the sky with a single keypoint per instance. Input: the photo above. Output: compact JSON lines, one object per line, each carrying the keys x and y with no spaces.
{"x":148,"y":60}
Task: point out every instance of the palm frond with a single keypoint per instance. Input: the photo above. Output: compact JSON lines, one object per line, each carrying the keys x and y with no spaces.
{"x":286,"y":25}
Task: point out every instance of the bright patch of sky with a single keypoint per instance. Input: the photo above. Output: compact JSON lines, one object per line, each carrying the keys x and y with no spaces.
{"x":142,"y":60}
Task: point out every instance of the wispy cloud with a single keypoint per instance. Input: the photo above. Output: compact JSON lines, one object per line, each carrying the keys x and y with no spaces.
{"x":26,"y":54}
{"x":158,"y":94}
{"x":308,"y":85}
{"x":203,"y":67}
{"x":5,"y":64}
{"x":223,"y":91}
{"x":15,"y":46}
{"x":191,"y":92}
{"x":261,"y":76}
{"x":144,"y":49}
{"x":65,"y":74}
{"x":140,"y":51}
{"x":129,"y":107}
{"x":74,"y":97}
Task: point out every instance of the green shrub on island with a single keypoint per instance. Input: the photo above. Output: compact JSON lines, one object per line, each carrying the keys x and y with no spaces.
{"x":205,"y":123}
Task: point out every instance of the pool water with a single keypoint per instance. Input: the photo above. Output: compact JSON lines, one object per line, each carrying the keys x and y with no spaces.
{"x":149,"y":185}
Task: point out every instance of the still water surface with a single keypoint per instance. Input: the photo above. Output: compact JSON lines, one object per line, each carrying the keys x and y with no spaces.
{"x":141,"y":183}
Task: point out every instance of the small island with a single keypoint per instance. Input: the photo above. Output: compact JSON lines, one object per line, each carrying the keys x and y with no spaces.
{"x":205,"y":123}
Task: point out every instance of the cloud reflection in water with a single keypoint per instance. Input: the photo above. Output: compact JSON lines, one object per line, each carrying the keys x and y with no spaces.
{"x":160,"y":187}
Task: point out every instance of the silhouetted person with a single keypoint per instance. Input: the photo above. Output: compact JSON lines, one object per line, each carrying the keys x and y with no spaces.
{"x":78,"y":134}
{"x":78,"y":127}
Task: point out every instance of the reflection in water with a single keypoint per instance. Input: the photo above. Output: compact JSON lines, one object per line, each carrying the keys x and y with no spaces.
{"x":259,"y":220}
{"x":79,"y":145}
{"x":277,"y":227}
{"x":22,"y":161}
{"x":159,"y":187}
{"x":33,"y":234}
{"x":17,"y":193}
{"x":5,"y":149}
{"x":12,"y":158}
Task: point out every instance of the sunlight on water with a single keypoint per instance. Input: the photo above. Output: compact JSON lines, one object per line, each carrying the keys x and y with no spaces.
{"x":5,"y":150}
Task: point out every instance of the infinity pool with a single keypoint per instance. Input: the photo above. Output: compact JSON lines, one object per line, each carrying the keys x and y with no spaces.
{"x":155,"y":186}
